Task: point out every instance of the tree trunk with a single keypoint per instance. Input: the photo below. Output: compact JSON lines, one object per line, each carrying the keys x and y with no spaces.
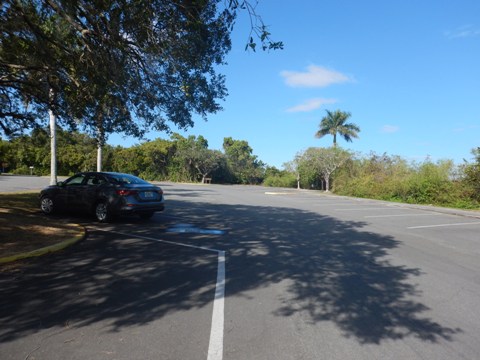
{"x":327,"y":183}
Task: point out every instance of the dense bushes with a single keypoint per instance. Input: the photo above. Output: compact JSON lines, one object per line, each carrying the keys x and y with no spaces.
{"x":472,"y":176}
{"x":391,"y":178}
{"x":286,"y":180}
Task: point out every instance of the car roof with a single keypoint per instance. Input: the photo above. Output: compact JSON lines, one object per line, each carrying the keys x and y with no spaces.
{"x":103,"y":173}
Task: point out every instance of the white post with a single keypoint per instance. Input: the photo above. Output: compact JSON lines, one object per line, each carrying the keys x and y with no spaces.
{"x":99,"y":157}
{"x":53,"y":145}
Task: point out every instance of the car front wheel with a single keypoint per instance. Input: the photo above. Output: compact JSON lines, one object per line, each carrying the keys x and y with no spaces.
{"x":102,"y":213}
{"x":46,"y":205}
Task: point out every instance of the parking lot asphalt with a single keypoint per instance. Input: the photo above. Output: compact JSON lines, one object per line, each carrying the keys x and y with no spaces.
{"x":306,"y":275}
{"x":16,"y":183}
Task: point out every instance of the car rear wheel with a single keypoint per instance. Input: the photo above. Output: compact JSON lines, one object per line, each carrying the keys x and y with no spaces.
{"x":146,"y":215}
{"x":102,"y":213}
{"x":47,"y":205}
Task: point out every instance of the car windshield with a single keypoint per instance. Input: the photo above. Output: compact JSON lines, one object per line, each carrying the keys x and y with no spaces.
{"x":126,"y":179}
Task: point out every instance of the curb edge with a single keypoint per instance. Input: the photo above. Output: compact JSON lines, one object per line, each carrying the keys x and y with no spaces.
{"x":47,"y":249}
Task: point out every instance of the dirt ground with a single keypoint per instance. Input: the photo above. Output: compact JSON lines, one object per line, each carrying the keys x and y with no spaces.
{"x":23,"y":228}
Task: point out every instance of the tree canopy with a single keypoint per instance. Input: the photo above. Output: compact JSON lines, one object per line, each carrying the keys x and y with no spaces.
{"x":123,"y":65}
{"x":178,"y":158}
{"x":319,"y":164}
{"x":244,"y":167}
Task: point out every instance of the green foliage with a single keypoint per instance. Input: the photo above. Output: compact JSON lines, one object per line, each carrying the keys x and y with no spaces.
{"x":315,"y":167}
{"x":192,"y":160}
{"x":128,"y":160}
{"x":33,"y":61}
{"x":429,"y":183}
{"x":283,"y":179}
{"x":392,"y":178}
{"x":148,"y":160}
{"x":76,"y":152}
{"x":243,"y":166}
{"x":177,"y":159}
{"x":472,"y":176}
{"x":378,"y":176}
{"x":258,"y":28}
{"x":155,"y":159}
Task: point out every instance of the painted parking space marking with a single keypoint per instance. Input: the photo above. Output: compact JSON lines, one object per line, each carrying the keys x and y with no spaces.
{"x":319,"y":203}
{"x":279,"y":193}
{"x":399,"y":215}
{"x":368,"y":208}
{"x":192,"y":229}
{"x":159,"y":240}
{"x":215,"y":346}
{"x":443,"y":225}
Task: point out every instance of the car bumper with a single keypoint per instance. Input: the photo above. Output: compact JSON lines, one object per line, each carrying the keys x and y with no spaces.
{"x":139,"y":208}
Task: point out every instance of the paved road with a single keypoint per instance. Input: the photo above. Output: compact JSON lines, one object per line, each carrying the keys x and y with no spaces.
{"x":307,"y":276}
{"x":11,"y":183}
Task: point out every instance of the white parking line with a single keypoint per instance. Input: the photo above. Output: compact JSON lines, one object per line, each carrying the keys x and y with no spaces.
{"x":366,"y":208}
{"x":160,"y":241}
{"x":399,"y":215}
{"x":442,"y":225}
{"x":278,"y":193}
{"x":319,"y":203}
{"x":215,"y":346}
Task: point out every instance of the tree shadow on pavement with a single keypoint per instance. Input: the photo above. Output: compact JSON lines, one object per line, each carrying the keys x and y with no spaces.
{"x":120,"y":281}
{"x":337,"y":272}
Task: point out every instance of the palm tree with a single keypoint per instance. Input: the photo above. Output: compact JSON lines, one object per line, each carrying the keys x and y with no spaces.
{"x":335,"y":122}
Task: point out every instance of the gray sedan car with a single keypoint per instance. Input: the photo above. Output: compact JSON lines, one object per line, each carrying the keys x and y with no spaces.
{"x":104,"y":194}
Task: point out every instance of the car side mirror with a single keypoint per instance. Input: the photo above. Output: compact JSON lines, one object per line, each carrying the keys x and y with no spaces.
{"x":60,"y":183}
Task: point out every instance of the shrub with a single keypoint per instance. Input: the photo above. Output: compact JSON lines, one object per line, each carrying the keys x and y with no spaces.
{"x":286,"y":180}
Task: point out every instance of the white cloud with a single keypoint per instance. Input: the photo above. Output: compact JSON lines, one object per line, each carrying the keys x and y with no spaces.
{"x":315,"y":76}
{"x":463,"y":32}
{"x":390,"y":129}
{"x":311,"y":104}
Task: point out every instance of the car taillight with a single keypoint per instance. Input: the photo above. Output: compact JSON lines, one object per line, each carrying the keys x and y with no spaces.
{"x":126,"y":192}
{"x":160,"y":192}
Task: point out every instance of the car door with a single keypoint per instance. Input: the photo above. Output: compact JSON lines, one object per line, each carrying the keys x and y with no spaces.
{"x":63,"y":193}
{"x":89,"y":195}
{"x":75,"y":186}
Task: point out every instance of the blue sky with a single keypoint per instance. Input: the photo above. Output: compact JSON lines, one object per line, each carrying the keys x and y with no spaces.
{"x":407,"y":71}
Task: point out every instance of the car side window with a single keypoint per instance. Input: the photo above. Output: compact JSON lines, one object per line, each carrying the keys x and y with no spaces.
{"x":75,"y":180}
{"x":102,"y":180}
{"x":94,"y":180}
{"x":114,"y":180}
